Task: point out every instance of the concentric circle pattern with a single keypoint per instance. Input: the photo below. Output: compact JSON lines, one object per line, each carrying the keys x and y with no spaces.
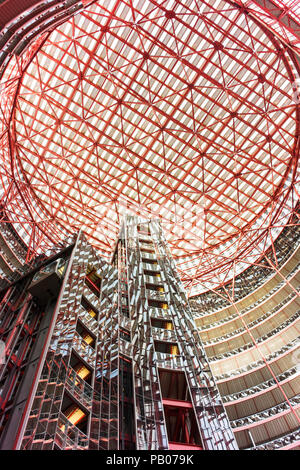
{"x":178,"y":110}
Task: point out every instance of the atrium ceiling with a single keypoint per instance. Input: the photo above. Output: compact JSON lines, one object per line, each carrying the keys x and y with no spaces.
{"x":183,"y":110}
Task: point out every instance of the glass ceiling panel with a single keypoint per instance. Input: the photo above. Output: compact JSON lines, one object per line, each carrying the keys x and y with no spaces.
{"x":179,"y":110}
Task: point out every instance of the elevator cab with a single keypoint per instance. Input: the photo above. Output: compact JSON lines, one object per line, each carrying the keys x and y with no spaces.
{"x":46,"y":283}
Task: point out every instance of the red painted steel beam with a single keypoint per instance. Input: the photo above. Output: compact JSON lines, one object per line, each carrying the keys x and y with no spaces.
{"x":177,"y":403}
{"x":180,"y":446}
{"x":281,"y":13}
{"x":218,"y":220}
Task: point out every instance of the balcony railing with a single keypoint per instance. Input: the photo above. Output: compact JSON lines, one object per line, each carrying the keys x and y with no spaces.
{"x":265,"y":413}
{"x":169,"y":361}
{"x":151,"y":256}
{"x":255,"y":365}
{"x":268,"y":335}
{"x":84,"y":350}
{"x":162,"y":334}
{"x":282,"y":441}
{"x":155,"y":295}
{"x":260,"y":387}
{"x":7,"y":267}
{"x":151,"y":267}
{"x":205,"y":398}
{"x":10,"y":253}
{"x":146,"y":246}
{"x":253,"y":277}
{"x":69,"y":436}
{"x":153,"y":279}
{"x":262,"y":299}
{"x":160,"y":313}
{"x":144,"y":236}
{"x":19,"y":251}
{"x":79,"y":388}
{"x":88,"y":320}
{"x":253,"y":323}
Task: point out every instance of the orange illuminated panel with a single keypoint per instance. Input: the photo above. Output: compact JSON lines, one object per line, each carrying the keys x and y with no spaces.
{"x":166,"y":347}
{"x":92,"y":313}
{"x":158,"y":304}
{"x":159,"y":323}
{"x":74,"y":414}
{"x":82,"y":371}
{"x":89,"y":308}
{"x":174,"y":349}
{"x":168,"y":325}
{"x":88,"y":338}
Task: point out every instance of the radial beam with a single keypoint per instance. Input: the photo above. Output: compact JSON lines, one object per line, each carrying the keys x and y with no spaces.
{"x":280,"y":19}
{"x":281,"y":14}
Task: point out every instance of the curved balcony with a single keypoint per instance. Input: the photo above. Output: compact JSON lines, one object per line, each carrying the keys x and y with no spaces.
{"x":268,"y":307}
{"x":212,"y":320}
{"x":290,"y":440}
{"x":6,"y":266}
{"x":253,"y":324}
{"x":269,"y":302}
{"x":9,"y":252}
{"x":265,"y":405}
{"x":268,"y":429}
{"x":287,"y":323}
{"x":269,"y":412}
{"x":262,"y":387}
{"x":251,"y":367}
{"x":10,"y":240}
{"x":251,"y":280}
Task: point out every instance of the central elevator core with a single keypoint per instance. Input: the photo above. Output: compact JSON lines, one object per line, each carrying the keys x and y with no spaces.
{"x":120,"y":365}
{"x":176,"y":401}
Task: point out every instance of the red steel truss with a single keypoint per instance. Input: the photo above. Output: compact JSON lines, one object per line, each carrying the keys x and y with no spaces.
{"x":183,"y":110}
{"x":281,"y":17}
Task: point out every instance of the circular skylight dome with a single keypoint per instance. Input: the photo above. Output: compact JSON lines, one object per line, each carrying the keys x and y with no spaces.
{"x":177,"y":110}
